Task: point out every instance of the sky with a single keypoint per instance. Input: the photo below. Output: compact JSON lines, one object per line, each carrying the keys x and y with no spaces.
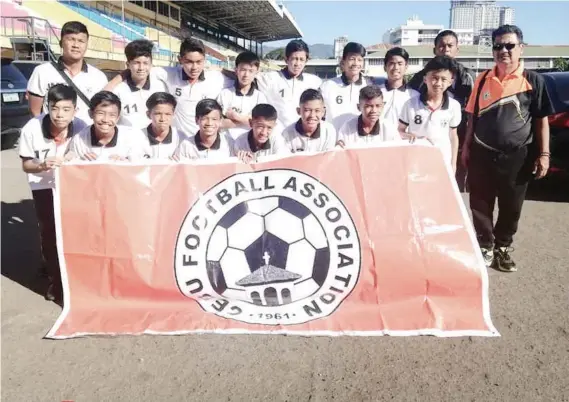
{"x":542,"y":22}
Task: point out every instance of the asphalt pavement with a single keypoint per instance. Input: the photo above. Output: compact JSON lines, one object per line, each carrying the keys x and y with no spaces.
{"x":529,"y":362}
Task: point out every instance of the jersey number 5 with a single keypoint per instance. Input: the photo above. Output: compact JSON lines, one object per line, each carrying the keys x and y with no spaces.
{"x":178,"y":91}
{"x":418,"y":119}
{"x":339,"y":99}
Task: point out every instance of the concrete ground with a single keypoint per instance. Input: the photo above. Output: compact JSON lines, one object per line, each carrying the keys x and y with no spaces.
{"x":530,"y":362}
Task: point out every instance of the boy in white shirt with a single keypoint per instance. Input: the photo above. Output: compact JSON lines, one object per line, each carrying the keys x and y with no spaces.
{"x":104,"y":139}
{"x":70,"y":66}
{"x":341,"y":94}
{"x":188,"y":82}
{"x":209,"y":142}
{"x":310,"y":133}
{"x":368,"y":128}
{"x":283,"y":88}
{"x":434,"y":116}
{"x":238,"y":101}
{"x":161,"y":139}
{"x":261,"y":140}
{"x":43,"y":144}
{"x":137,"y":88}
{"x":395,"y":90}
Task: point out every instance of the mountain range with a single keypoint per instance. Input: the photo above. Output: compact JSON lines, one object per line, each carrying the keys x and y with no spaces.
{"x":317,"y":51}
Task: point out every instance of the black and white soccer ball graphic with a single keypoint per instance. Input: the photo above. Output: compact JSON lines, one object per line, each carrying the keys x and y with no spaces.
{"x":269,"y":251}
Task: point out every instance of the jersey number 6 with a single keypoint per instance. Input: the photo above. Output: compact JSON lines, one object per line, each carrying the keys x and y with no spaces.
{"x":339,"y":99}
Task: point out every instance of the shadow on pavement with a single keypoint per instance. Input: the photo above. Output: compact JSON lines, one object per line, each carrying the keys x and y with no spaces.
{"x":21,"y":250}
{"x":552,"y":188}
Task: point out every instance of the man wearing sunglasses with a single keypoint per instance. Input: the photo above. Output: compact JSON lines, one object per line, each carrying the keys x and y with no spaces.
{"x":446,"y":44}
{"x":507,"y":143}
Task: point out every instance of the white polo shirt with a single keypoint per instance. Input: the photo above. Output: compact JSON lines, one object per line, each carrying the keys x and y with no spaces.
{"x":37,"y":143}
{"x":133,"y":100}
{"x":323,"y":139}
{"x":192,"y":148}
{"x":341,"y":98}
{"x":233,"y":98}
{"x":154,"y":149}
{"x":127,"y":142}
{"x":274,"y":146}
{"x":283,"y":92}
{"x":394,"y":100}
{"x":90,"y":81}
{"x":208,"y":85}
{"x":352,"y":133}
{"x":432,"y":124}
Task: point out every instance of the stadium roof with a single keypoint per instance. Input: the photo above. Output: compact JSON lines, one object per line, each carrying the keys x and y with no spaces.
{"x":261,"y":21}
{"x":471,"y":51}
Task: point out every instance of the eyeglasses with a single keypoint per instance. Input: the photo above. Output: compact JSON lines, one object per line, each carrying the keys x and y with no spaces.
{"x":499,"y":46}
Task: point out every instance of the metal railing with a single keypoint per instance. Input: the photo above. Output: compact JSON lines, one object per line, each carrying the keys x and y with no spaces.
{"x":40,"y":30}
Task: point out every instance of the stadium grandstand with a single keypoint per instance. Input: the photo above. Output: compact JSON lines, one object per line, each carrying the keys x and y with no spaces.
{"x":30,"y":28}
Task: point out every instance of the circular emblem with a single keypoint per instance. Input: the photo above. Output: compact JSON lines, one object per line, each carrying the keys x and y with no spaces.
{"x":268,"y":247}
{"x":10,"y":85}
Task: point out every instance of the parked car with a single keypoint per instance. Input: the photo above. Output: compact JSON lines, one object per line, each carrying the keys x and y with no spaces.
{"x":558,"y":88}
{"x":14,"y":103}
{"x":26,"y":66}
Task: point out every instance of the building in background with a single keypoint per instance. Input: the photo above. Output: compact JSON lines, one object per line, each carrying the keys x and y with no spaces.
{"x":416,"y":33}
{"x":507,"y":16}
{"x":481,"y":16}
{"x":477,"y":58}
{"x":339,"y":44}
{"x":413,"y":33}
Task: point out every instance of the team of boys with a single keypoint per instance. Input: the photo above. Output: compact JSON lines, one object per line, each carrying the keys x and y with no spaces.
{"x":186,"y":113}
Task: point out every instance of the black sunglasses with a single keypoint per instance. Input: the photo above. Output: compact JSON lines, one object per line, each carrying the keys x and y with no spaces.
{"x":499,"y":46}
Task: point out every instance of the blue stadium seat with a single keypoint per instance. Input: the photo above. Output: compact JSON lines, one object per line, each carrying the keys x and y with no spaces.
{"x":129,"y":29}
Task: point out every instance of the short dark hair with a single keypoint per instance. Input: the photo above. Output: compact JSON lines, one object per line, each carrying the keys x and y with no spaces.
{"x":73,"y":27}
{"x":353,"y":48}
{"x":161,"y":98}
{"x":508,"y":29}
{"x":296,"y":45}
{"x":395,"y":51}
{"x":264,"y":111}
{"x":206,"y":106}
{"x":189,"y":45}
{"x":137,"y":48}
{"x":247,"y":57}
{"x":370,"y":92}
{"x":310,"y":95}
{"x":105,"y":97}
{"x":446,"y":32}
{"x":439,"y":63}
{"x":61,"y":92}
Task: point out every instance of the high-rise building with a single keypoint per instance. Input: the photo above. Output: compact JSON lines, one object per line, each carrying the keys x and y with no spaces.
{"x":479,"y":15}
{"x":507,"y":16}
{"x":339,"y":44}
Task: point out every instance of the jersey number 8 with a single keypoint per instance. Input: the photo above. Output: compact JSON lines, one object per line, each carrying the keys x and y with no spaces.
{"x":418,"y":119}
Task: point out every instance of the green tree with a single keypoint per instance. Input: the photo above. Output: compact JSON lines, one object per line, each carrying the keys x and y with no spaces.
{"x":561,"y":64}
{"x":277,"y":54}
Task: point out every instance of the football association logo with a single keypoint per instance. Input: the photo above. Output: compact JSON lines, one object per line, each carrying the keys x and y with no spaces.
{"x":268,"y":247}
